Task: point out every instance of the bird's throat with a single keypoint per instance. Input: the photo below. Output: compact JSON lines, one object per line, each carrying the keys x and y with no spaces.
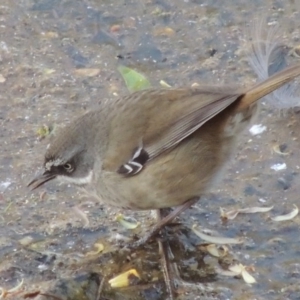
{"x":80,"y":181}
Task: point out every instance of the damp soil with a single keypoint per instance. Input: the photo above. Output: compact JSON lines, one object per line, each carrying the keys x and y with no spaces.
{"x":59,"y":59}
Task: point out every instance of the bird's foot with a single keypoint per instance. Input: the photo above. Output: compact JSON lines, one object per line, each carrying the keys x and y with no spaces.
{"x":161,"y":223}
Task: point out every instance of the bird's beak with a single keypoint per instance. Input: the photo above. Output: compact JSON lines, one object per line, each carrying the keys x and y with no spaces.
{"x":40,"y":179}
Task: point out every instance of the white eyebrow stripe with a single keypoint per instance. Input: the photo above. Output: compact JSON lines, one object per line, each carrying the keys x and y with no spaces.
{"x":52,"y":163}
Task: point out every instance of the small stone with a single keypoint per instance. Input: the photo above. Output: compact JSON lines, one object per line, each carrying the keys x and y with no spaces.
{"x":2,"y":78}
{"x":115,"y":28}
{"x":283,"y":184}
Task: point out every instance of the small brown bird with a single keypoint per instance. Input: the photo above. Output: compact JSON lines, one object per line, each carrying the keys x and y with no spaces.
{"x":155,"y":148}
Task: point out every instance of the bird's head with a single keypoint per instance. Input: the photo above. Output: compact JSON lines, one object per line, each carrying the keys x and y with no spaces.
{"x":69,"y":156}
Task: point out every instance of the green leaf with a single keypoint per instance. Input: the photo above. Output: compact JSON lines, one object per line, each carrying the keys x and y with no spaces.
{"x":134,"y":80}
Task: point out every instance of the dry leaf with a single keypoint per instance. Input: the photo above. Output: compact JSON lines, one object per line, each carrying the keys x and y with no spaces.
{"x":164,"y":84}
{"x":127,"y":222}
{"x":255,"y":209}
{"x":236,"y":268}
{"x":123,"y":280}
{"x":288,"y":216}
{"x":217,"y":250}
{"x":247,"y":277}
{"x":225,"y":272}
{"x":230,"y":215}
{"x":277,"y":150}
{"x":240,"y":269}
{"x":99,"y":248}
{"x":4,"y":292}
{"x":216,"y":239}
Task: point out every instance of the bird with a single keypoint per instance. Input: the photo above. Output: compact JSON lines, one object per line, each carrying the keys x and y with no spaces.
{"x":157,"y":148}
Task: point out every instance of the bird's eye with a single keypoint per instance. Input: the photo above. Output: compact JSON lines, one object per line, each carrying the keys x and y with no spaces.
{"x":68,"y":167}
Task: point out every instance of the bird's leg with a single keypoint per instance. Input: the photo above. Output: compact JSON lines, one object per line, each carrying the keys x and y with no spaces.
{"x":165,"y":259}
{"x":164,"y":221}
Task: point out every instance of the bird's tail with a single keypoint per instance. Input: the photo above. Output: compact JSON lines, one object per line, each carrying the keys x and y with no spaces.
{"x":268,"y":86}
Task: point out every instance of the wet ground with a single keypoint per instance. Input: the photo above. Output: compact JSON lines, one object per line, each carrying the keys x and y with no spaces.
{"x":59,"y":59}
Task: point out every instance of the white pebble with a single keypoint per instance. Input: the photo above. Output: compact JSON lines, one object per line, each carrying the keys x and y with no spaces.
{"x":278,"y":167}
{"x":257,"y":129}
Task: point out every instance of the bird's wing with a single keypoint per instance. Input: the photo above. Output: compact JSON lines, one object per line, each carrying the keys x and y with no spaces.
{"x":148,"y":123}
